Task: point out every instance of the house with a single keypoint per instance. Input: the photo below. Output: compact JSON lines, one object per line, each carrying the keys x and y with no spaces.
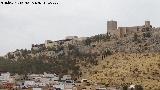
{"x":59,"y":86}
{"x":8,"y":86}
{"x":66,"y":77}
{"x":71,"y":37}
{"x":63,"y":86}
{"x":34,"y":77}
{"x":44,"y":79}
{"x":49,"y":78}
{"x":36,"y":88}
{"x":28,"y":84}
{"x":5,"y":77}
{"x":54,"y":77}
{"x":40,"y":84}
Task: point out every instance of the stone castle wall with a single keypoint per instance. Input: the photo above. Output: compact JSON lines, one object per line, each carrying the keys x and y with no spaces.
{"x":122,"y":31}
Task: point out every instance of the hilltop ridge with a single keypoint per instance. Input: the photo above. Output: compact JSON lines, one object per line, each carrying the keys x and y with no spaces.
{"x":77,"y":56}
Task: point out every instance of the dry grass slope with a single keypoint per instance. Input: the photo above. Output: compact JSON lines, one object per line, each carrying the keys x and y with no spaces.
{"x":136,"y":68}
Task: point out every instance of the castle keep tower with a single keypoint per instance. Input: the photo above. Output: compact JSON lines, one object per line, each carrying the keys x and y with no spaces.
{"x":111,"y":27}
{"x":147,"y":23}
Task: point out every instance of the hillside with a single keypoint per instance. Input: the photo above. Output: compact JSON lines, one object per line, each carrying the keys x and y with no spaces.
{"x":122,"y":68}
{"x":102,"y":58}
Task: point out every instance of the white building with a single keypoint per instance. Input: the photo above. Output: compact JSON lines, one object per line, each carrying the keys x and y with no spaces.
{"x":50,"y":43}
{"x":49,"y":78}
{"x":37,"y":89}
{"x":82,"y":38}
{"x":5,"y":77}
{"x":52,"y":76}
{"x":44,"y":78}
{"x":71,"y":37}
{"x":66,"y":77}
{"x":64,"y":86}
{"x":29,"y":83}
{"x":40,"y":84}
{"x":35,"y":77}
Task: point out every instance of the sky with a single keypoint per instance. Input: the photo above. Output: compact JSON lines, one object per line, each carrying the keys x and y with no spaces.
{"x":23,"y":25}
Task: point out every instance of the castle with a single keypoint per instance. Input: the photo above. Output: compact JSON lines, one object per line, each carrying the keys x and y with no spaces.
{"x":112,"y":29}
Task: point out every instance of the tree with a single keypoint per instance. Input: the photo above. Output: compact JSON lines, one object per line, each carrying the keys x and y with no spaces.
{"x":87,"y":41}
{"x":125,"y":87}
{"x":135,"y":37}
{"x":147,"y":34}
{"x":138,"y":87}
{"x":70,"y":46}
{"x":108,"y":36}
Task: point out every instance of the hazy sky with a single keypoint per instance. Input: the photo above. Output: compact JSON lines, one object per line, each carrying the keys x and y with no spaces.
{"x":23,"y":25}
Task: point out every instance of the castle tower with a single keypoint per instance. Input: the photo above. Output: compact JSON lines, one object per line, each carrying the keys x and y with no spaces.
{"x":147,"y":23}
{"x":111,"y":26}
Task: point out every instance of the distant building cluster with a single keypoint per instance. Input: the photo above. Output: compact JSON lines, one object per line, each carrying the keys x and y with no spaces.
{"x":113,"y":29}
{"x":50,"y":82}
{"x":51,"y":44}
{"x":8,"y":81}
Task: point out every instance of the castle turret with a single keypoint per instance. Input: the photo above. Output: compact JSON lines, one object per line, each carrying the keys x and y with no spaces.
{"x":111,"y":27}
{"x":147,"y":23}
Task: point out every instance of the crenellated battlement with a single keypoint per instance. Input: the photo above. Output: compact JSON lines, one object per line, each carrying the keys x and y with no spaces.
{"x":113,"y":29}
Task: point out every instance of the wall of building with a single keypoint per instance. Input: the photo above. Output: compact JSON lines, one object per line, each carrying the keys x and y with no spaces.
{"x":111,"y":26}
{"x":122,"y":31}
{"x":131,"y":30}
{"x":147,"y":23}
{"x":50,"y":44}
{"x":128,"y":30}
{"x":71,"y":37}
